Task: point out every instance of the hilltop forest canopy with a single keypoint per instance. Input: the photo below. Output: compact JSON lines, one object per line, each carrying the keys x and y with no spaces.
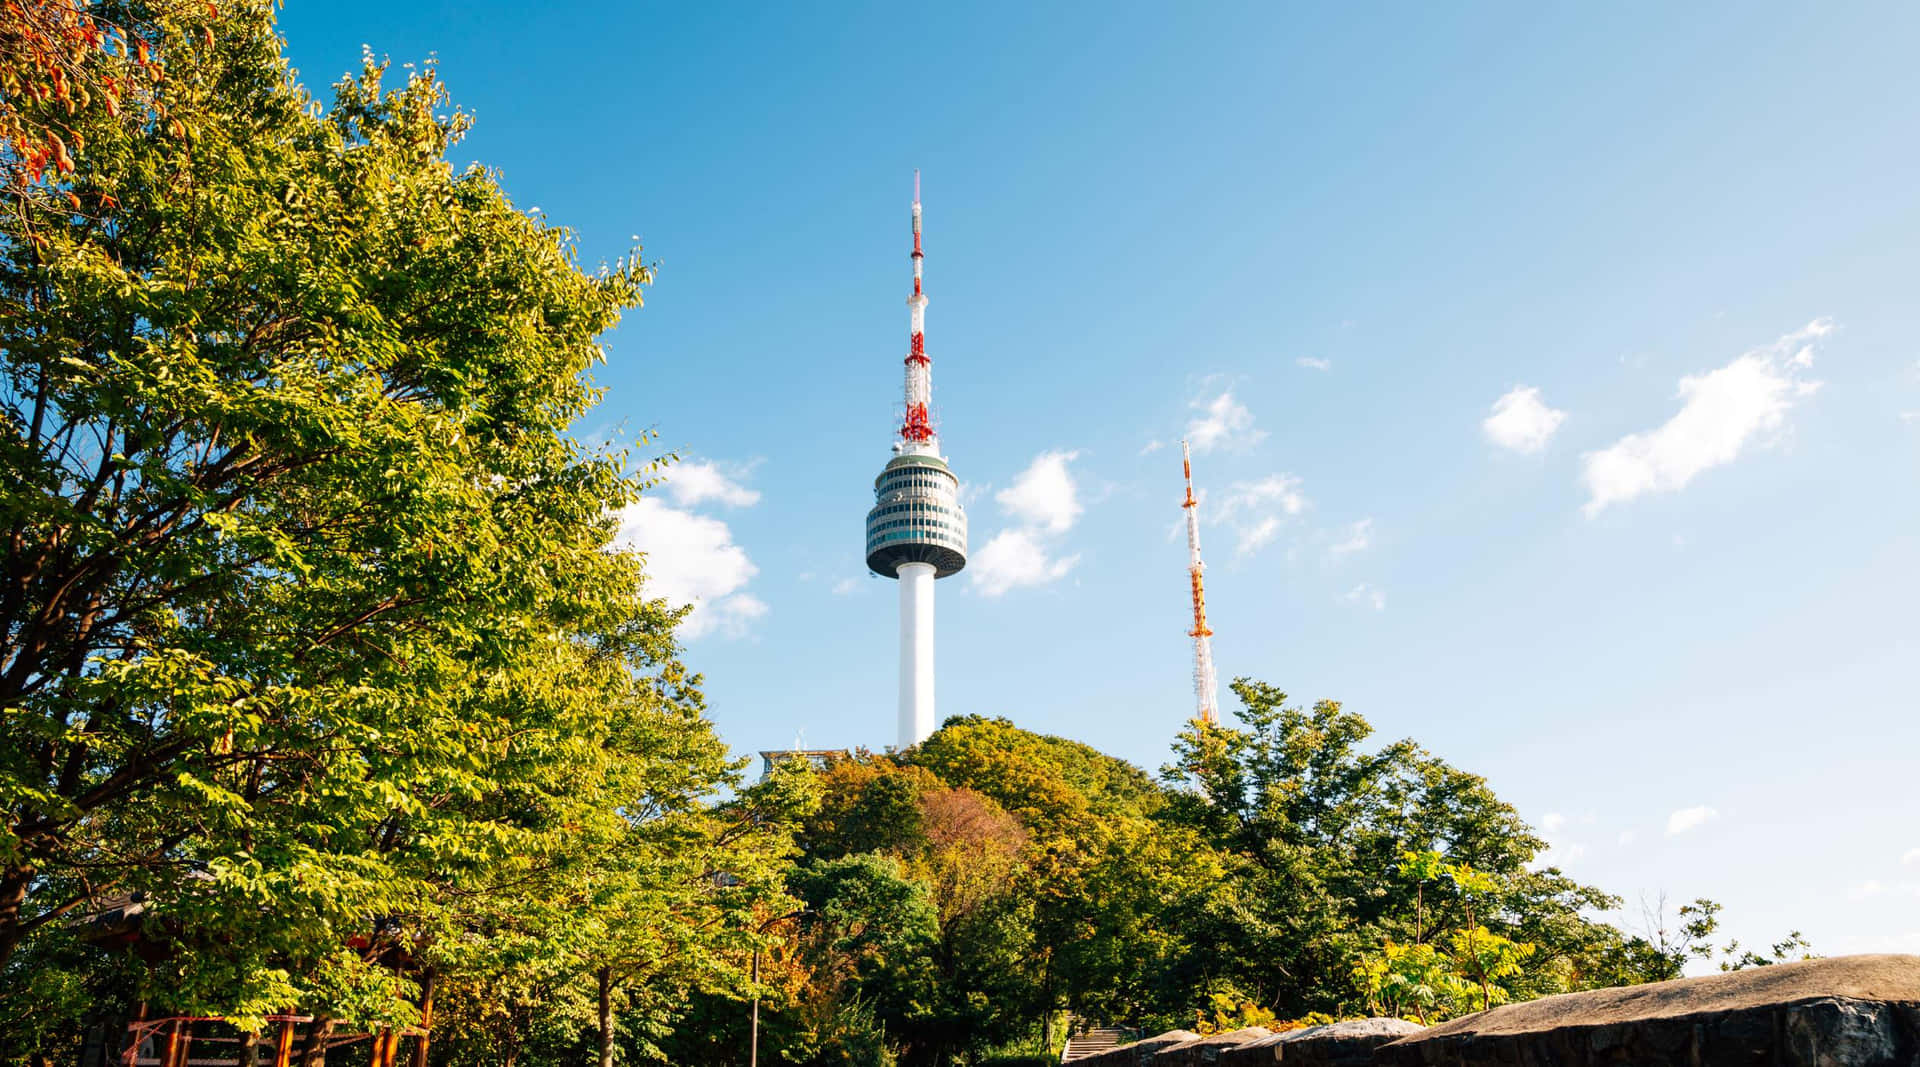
{"x":323,"y":691}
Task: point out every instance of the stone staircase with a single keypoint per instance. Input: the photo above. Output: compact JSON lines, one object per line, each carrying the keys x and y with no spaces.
{"x":1093,"y":1043}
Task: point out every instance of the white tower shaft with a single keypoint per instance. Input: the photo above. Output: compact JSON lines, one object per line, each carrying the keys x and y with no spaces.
{"x":916,"y":653}
{"x":1205,"y":687}
{"x":917,"y":529}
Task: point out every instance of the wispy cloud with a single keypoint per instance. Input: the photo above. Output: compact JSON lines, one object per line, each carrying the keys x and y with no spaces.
{"x":1521,"y":421}
{"x":1367,"y":596}
{"x":1690,"y":819}
{"x":1912,"y":857}
{"x":1311,"y":363}
{"x":1275,"y":492}
{"x":1223,"y":421}
{"x":1256,"y":537}
{"x":1256,"y":511}
{"x":1042,"y":503}
{"x":1722,"y":412}
{"x":1152,"y":446}
{"x":846,"y":587}
{"x":1357,"y":538}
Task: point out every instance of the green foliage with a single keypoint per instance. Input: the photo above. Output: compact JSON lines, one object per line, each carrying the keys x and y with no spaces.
{"x":1227,"y":1012}
{"x":313,"y":639}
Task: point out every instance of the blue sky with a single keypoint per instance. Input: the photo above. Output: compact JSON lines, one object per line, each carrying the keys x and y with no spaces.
{"x":1664,"y":599}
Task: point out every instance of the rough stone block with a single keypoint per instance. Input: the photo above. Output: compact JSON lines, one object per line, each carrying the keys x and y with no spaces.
{"x":1851,"y":1011}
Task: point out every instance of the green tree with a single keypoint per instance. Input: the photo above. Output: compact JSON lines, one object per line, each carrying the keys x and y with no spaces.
{"x":312,"y":636}
{"x":1318,"y":823}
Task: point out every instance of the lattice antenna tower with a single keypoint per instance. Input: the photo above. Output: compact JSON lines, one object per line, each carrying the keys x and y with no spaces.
{"x":1206,"y":697}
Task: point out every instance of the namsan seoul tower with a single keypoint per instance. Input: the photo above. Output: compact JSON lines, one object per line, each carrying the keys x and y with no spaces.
{"x":1206,"y":695}
{"x":916,"y":531}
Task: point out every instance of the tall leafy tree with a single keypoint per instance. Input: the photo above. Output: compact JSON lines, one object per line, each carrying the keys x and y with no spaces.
{"x":310,"y":636}
{"x":1317,"y":822}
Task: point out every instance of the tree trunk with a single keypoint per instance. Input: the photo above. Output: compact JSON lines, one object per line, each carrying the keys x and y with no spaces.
{"x":606,"y":1017}
{"x":249,"y":1049}
{"x":13,"y":898}
{"x":313,"y":1052}
{"x":510,"y":1044}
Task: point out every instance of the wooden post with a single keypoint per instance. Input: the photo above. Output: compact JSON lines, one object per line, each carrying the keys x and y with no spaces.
{"x":172,"y":1045}
{"x":283,"y":1045}
{"x":426,"y":1019}
{"x":185,"y":1046}
{"x":131,"y":1053}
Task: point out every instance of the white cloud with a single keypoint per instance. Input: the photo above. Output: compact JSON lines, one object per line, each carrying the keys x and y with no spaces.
{"x":1721,"y":413}
{"x":1910,"y":416}
{"x":1557,"y":855}
{"x":1912,"y":857}
{"x":1226,"y":422}
{"x":1865,"y":890}
{"x":846,"y":587}
{"x":1013,"y":559}
{"x":1627,"y":837}
{"x":1259,"y":535}
{"x":1043,"y":495}
{"x":1521,"y":421}
{"x":694,"y":482}
{"x":1043,"y":503}
{"x":1358,"y":537}
{"x":1551,"y":822}
{"x":1152,"y":446}
{"x":1275,"y":491}
{"x":1255,"y":511}
{"x":1367,"y":595}
{"x":1690,"y":819}
{"x":691,"y":559}
{"x":1311,"y":363}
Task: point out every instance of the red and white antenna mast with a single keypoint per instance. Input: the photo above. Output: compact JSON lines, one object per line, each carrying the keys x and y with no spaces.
{"x":916,"y":432}
{"x":1205,"y":687}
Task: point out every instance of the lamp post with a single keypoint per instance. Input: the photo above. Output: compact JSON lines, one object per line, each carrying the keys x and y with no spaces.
{"x":753,"y":1040}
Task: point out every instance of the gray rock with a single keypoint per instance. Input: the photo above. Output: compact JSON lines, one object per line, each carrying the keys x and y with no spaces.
{"x":1851,"y":1011}
{"x":1342,"y":1044}
{"x":1139,"y":1052}
{"x":1205,"y":1051}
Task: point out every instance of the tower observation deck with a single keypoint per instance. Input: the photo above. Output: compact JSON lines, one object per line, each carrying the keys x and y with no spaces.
{"x":917,"y":531}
